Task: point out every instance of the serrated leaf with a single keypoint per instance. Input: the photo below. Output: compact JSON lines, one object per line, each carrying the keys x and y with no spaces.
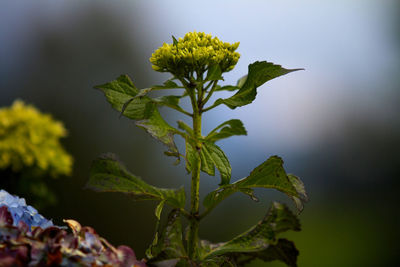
{"x":258,"y":238}
{"x":134,"y":104}
{"x":192,"y":157}
{"x":207,"y":162}
{"x":232,"y":127}
{"x":206,"y":247}
{"x":270,"y":174}
{"x":159,"y":129}
{"x":107,"y":174}
{"x":284,"y":250}
{"x":139,"y":95}
{"x":122,"y":84}
{"x":221,"y":261}
{"x":214,"y":73}
{"x":122,"y":95}
{"x":169,"y":101}
{"x":301,"y":192}
{"x":212,"y":156}
{"x":259,"y":73}
{"x":170,"y":245}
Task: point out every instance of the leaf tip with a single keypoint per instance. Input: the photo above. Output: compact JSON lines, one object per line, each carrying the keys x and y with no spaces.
{"x":174,"y":40}
{"x":97,"y":87}
{"x":291,"y":70}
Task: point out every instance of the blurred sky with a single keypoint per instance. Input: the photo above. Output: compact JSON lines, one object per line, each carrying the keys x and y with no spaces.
{"x":336,"y":123}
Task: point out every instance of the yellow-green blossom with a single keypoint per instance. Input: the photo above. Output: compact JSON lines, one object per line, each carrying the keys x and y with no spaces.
{"x":195,"y":53}
{"x":30,"y":139}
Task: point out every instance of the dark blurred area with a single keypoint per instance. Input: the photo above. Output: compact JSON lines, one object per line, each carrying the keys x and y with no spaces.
{"x":52,"y":55}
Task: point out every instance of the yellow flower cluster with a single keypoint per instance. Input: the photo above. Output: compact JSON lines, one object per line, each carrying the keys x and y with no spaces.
{"x":195,"y":52}
{"x":30,"y":139}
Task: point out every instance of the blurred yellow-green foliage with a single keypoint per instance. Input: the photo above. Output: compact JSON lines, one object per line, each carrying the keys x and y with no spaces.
{"x":30,"y":150}
{"x":30,"y":139}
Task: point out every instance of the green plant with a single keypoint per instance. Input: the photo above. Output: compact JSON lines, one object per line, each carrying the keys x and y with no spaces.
{"x":197,"y":63}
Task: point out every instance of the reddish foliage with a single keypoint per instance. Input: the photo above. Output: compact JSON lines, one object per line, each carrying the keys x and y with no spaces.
{"x":54,"y":246}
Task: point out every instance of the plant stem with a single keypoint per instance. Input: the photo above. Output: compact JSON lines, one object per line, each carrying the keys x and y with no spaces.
{"x":211,"y":91}
{"x":193,"y":239}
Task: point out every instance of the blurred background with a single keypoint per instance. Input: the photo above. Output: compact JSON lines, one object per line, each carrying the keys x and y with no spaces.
{"x":336,"y":124}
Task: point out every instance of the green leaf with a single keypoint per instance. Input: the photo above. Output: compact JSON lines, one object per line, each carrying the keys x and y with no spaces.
{"x":259,"y":73}
{"x":169,"y":84}
{"x":122,"y":84}
{"x":159,"y":209}
{"x":170,"y":245}
{"x":211,"y":155}
{"x":143,"y":92}
{"x":232,"y":127}
{"x":192,"y":157}
{"x":284,"y":250}
{"x":169,"y":101}
{"x":241,"y":81}
{"x":226,"y":88}
{"x":214,"y":73}
{"x":153,"y":244}
{"x":139,"y":95}
{"x":205,"y":248}
{"x":107,"y":174}
{"x":301,"y":191}
{"x":182,"y":125}
{"x":175,"y":42}
{"x":269,"y":174}
{"x":123,"y":95}
{"x":159,"y":129}
{"x":278,"y":219}
{"x":134,"y":104}
{"x":222,"y":261}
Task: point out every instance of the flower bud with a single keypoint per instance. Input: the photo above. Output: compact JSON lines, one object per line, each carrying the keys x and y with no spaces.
{"x":194,"y":52}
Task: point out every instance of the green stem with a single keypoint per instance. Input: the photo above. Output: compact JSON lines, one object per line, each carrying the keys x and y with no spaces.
{"x":211,"y":92}
{"x":193,"y":239}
